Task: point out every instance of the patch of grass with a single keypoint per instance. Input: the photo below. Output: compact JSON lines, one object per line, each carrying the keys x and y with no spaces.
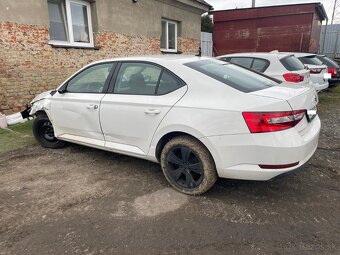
{"x":329,"y":98}
{"x":16,"y":136}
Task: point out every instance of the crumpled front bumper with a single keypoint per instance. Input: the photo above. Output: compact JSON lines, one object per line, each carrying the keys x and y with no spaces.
{"x":26,"y":113}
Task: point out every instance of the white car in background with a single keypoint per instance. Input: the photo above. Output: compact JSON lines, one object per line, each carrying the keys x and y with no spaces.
{"x":318,"y":71}
{"x":200,"y":118}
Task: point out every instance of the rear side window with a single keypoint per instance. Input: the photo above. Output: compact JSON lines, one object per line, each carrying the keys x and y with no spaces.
{"x":246,"y":62}
{"x":291,"y":63}
{"x":310,"y":61}
{"x":260,"y":65}
{"x":232,"y":75}
{"x":137,"y":79}
{"x":168,"y":83}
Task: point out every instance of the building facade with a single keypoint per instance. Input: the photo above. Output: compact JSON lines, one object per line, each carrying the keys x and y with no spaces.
{"x":293,"y":28}
{"x":42,"y":42}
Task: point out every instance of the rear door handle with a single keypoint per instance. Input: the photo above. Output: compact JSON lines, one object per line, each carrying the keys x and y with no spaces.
{"x":92,"y":106}
{"x":152,"y":111}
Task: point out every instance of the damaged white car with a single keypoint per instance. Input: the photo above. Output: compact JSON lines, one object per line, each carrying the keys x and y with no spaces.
{"x":199,"y":117}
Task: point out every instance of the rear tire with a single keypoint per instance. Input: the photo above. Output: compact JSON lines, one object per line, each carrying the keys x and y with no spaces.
{"x":188,"y":166}
{"x":44,"y":133}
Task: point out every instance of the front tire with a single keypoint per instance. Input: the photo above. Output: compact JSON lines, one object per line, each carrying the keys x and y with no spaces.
{"x":188,"y":166}
{"x":44,"y":133}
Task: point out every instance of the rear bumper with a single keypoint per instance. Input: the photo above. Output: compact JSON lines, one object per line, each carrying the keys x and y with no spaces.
{"x":318,"y":87}
{"x":239,"y":156}
{"x":334,"y":81}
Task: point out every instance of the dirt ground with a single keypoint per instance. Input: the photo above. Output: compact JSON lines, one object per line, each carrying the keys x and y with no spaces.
{"x":79,"y":200}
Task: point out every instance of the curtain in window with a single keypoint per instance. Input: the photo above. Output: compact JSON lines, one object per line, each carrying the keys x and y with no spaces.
{"x":80,"y":23}
{"x":58,"y":22}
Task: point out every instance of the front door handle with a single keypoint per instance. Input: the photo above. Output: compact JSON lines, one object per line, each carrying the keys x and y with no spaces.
{"x":152,"y":111}
{"x":92,"y":107}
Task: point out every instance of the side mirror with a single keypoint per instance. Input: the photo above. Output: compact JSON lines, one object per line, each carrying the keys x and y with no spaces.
{"x":62,"y":89}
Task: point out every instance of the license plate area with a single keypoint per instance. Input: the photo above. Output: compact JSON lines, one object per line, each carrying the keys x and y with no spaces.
{"x":311,"y":114}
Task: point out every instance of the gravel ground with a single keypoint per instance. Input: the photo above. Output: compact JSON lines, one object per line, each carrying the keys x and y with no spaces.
{"x":80,"y":200}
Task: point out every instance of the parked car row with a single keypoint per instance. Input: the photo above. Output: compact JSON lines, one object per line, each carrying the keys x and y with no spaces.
{"x":305,"y":69}
{"x":200,"y":118}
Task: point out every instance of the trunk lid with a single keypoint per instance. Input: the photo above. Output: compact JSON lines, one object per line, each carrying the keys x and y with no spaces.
{"x":298,"y":97}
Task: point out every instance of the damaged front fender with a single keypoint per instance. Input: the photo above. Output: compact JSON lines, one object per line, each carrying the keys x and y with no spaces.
{"x":40,"y":103}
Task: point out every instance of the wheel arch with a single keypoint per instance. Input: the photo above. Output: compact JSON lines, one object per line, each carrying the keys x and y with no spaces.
{"x":171,"y":135}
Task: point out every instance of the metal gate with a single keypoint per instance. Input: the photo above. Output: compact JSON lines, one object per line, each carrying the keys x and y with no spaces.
{"x":330,"y":41}
{"x":206,"y":44}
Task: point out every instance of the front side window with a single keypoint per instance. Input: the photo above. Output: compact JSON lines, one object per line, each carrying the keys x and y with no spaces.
{"x":232,"y":75}
{"x":91,"y":80}
{"x":169,"y":36}
{"x":70,"y":23}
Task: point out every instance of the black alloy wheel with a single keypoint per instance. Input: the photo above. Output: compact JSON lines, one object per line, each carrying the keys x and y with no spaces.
{"x":188,"y":165}
{"x":184,"y":167}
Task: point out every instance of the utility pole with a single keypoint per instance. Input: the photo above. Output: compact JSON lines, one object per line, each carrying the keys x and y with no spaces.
{"x":334,"y":10}
{"x":253,"y":3}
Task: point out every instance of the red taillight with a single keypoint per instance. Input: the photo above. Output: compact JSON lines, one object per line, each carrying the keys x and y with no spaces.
{"x":315,"y":70}
{"x":259,"y":122}
{"x":332,"y":71}
{"x":293,"y":77}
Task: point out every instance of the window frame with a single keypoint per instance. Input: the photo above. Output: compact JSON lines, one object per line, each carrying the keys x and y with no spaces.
{"x":167,"y":35}
{"x":69,"y":27}
{"x":113,"y":80}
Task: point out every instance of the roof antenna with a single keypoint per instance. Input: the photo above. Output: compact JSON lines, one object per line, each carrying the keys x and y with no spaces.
{"x":199,"y":52}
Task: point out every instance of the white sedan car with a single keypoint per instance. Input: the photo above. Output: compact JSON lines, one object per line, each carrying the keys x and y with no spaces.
{"x":199,"y":117}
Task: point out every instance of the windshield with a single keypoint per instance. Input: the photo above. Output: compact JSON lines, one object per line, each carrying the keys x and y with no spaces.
{"x":232,"y":75}
{"x":310,"y":61}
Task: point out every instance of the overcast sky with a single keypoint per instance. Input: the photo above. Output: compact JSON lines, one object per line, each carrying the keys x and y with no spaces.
{"x":232,"y":4}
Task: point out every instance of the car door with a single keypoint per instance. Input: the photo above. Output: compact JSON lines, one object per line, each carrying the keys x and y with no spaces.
{"x":75,"y":109}
{"x":142,"y":94}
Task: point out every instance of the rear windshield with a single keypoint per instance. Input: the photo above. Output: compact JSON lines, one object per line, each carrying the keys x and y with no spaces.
{"x":328,"y":62}
{"x":232,"y":75}
{"x":310,"y":61}
{"x":291,"y":63}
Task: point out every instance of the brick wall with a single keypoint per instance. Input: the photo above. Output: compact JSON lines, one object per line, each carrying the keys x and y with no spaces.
{"x":29,"y":66}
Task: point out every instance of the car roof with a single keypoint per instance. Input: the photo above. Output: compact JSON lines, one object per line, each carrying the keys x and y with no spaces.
{"x":303,"y":54}
{"x":258,"y":54}
{"x":157,"y":58}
